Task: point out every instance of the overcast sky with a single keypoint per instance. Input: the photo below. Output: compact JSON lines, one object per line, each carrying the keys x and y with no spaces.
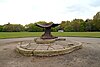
{"x":30,"y":11}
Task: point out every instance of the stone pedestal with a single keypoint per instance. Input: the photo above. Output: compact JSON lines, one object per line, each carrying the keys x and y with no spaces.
{"x":50,"y":47}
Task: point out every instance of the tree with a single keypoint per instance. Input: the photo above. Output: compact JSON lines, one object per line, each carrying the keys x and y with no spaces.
{"x":96,"y":22}
{"x":33,"y":28}
{"x":88,"y":25}
{"x":41,"y":22}
{"x":68,"y":27}
{"x":55,"y":29}
{"x":13,"y":28}
{"x":1,"y":28}
{"x":77,"y":25}
{"x":63,"y":24}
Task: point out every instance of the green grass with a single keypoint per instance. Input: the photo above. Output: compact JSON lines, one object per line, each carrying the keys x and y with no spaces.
{"x":19,"y":34}
{"x":36,"y":34}
{"x":78,"y":34}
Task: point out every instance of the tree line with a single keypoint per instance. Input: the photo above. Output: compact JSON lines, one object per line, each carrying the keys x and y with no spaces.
{"x":76,"y":25}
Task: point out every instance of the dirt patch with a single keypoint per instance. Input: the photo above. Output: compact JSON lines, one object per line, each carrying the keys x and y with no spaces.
{"x":88,"y":56}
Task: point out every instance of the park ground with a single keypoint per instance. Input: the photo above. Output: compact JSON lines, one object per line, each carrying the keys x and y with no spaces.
{"x":88,"y":56}
{"x":4,"y":35}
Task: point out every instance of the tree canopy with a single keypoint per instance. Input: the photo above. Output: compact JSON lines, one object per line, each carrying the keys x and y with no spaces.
{"x":76,"y":25}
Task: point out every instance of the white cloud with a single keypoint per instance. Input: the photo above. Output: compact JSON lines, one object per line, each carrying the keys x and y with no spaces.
{"x":26,"y":11}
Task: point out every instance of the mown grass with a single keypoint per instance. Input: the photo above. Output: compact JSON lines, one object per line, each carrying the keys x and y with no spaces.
{"x":19,"y":34}
{"x":37,"y":34}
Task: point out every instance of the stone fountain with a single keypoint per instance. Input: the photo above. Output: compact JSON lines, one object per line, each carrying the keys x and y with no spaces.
{"x":47,"y":44}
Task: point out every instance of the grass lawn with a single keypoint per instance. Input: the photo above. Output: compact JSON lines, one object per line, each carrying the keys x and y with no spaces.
{"x":36,"y":34}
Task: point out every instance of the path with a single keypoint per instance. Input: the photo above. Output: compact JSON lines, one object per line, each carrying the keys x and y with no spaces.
{"x":88,"y":56}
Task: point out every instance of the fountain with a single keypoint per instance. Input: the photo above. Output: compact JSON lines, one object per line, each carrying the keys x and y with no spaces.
{"x":47,"y":44}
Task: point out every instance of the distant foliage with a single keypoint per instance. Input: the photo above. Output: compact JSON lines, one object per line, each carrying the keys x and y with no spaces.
{"x":96,"y":22}
{"x":79,"y":25}
{"x":33,"y":28}
{"x":76,"y":25}
{"x":1,"y":28}
{"x":12,"y":28}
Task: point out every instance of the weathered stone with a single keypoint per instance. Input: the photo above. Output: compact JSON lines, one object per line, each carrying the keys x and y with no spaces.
{"x":60,"y":39}
{"x":44,"y":41}
{"x":55,"y":47}
{"x":42,"y":47}
{"x":48,"y":49}
{"x":23,"y":51}
{"x":70,"y":44}
{"x":32,"y":46}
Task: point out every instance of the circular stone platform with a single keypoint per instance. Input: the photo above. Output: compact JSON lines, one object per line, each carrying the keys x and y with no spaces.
{"x":60,"y":46}
{"x":44,"y":41}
